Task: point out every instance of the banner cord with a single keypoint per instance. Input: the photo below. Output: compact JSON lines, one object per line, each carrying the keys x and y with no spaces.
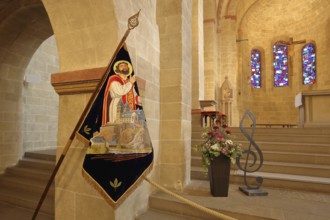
{"x":189,"y":202}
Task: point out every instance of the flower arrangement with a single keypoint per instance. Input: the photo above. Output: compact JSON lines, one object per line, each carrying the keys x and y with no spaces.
{"x":217,"y":141}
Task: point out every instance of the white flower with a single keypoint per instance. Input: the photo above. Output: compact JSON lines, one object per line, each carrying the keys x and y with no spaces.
{"x":229,"y":142}
{"x":215,"y":147}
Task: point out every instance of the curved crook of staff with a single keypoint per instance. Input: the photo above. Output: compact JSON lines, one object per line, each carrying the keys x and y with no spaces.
{"x":132,"y":23}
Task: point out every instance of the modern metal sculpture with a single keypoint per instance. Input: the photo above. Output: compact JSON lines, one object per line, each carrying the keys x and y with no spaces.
{"x":251,"y":164}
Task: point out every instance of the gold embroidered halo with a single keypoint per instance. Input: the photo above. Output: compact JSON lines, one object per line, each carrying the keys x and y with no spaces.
{"x":128,"y":64}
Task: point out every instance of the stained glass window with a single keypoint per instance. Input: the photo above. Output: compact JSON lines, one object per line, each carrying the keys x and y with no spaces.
{"x":309,"y":64}
{"x":255,"y":69}
{"x":280,"y":53}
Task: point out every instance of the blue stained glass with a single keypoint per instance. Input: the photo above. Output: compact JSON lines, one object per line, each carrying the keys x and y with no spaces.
{"x":309,"y":64}
{"x":280,"y":63}
{"x":255,"y":69}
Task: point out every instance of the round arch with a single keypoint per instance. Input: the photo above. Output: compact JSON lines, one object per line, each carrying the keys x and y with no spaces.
{"x":24,"y":25}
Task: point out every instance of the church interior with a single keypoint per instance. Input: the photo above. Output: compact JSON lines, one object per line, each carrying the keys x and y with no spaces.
{"x":194,"y":60}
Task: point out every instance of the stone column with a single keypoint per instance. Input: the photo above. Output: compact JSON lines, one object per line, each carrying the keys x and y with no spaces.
{"x":174,"y":20}
{"x":228,"y":58}
{"x":210,"y":50}
{"x":198,"y":54}
{"x":87,"y":35}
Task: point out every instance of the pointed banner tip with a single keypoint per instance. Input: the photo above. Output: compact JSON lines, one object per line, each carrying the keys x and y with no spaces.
{"x":133,"y":21}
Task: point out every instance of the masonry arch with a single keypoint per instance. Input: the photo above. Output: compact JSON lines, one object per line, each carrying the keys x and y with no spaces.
{"x":24,"y":25}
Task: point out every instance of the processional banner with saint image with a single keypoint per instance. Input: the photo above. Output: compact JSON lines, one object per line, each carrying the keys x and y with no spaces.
{"x":120,"y":150}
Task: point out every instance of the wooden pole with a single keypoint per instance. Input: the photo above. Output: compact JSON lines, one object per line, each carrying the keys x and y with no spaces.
{"x":132,"y":23}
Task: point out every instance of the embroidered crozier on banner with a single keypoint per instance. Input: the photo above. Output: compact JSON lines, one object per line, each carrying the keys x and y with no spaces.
{"x":120,"y":150}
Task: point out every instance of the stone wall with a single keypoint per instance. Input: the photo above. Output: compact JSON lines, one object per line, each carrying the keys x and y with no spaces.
{"x":211,"y":82}
{"x":21,"y":34}
{"x":197,"y":54}
{"x":262,"y":23}
{"x":40,"y":108}
{"x":174,"y":20}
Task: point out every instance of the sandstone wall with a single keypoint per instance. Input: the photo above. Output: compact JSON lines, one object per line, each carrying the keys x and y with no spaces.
{"x":262,"y":23}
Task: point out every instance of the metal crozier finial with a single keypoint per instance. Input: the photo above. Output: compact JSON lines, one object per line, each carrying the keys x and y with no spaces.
{"x":133,"y":21}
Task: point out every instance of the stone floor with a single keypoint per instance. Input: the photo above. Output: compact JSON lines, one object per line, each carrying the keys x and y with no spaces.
{"x":282,"y":204}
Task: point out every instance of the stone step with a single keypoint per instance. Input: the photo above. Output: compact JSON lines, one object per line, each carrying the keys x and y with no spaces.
{"x":280,"y":203}
{"x":36,"y":164}
{"x":289,"y":157}
{"x":13,"y":213}
{"x":276,"y":180}
{"x":21,"y":186}
{"x":165,"y":203}
{"x":293,"y":157}
{"x":45,"y":155}
{"x":276,"y":137}
{"x":24,"y":172}
{"x":304,"y":131}
{"x":27,"y":199}
{"x":280,"y":167}
{"x":281,"y":146}
{"x":35,"y":186}
{"x":152,"y":214}
{"x":290,"y":147}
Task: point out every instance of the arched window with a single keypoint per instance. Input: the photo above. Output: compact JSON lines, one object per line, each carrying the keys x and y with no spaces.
{"x":255,"y":68}
{"x":309,"y":64}
{"x":280,"y":53}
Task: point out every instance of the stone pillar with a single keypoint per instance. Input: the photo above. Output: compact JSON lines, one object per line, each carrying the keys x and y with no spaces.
{"x":87,"y":35}
{"x":174,"y":20}
{"x":198,"y":54}
{"x":210,"y":50}
{"x":228,"y":58}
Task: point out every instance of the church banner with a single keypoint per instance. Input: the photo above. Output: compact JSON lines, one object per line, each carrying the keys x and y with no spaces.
{"x":120,"y":150}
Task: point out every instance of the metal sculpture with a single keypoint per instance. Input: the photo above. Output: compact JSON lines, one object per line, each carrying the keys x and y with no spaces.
{"x":251,"y":165}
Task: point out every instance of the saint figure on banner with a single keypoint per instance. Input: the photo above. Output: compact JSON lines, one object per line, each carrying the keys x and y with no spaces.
{"x":120,"y":149}
{"x":120,"y":87}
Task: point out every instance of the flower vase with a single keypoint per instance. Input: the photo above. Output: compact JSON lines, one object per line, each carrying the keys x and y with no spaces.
{"x":219,"y":173}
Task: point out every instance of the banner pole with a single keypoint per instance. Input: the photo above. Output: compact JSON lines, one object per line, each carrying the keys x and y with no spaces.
{"x":132,"y":23}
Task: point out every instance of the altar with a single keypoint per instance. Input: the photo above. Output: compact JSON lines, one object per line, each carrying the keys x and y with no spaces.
{"x":314,"y":110}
